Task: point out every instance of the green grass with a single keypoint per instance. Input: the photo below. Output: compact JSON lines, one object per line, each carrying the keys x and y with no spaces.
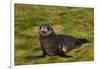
{"x":78,"y":22}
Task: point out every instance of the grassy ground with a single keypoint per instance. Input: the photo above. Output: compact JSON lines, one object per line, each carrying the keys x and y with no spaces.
{"x":77,"y":22}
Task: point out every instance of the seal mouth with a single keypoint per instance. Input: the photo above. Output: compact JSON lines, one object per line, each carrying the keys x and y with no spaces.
{"x":44,"y":32}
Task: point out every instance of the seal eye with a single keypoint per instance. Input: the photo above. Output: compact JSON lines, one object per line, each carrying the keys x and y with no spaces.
{"x":49,"y":28}
{"x":40,"y":28}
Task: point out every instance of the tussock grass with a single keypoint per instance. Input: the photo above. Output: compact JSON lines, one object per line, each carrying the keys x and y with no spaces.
{"x":77,"y":22}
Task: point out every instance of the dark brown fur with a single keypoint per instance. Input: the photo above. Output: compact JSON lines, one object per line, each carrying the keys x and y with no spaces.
{"x":56,"y":45}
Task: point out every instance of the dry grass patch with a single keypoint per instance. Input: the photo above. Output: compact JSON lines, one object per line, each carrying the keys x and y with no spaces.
{"x":20,"y":53}
{"x":58,"y":28}
{"x":31,"y":31}
{"x":20,"y":41}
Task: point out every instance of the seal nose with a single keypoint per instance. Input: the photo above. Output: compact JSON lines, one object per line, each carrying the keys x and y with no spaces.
{"x":43,"y":28}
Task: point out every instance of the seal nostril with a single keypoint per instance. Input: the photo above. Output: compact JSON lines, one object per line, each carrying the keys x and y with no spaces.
{"x":44,"y":27}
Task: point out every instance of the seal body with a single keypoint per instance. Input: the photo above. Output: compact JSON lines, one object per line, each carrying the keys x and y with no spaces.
{"x":50,"y":45}
{"x":55,"y":45}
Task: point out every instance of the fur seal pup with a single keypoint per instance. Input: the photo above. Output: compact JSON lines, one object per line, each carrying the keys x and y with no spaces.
{"x":56,"y":45}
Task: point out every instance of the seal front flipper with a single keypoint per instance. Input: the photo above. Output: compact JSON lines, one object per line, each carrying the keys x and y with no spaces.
{"x":66,"y":56}
{"x":35,"y":57}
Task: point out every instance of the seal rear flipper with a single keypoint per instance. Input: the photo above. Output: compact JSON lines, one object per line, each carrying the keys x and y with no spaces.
{"x":82,"y":41}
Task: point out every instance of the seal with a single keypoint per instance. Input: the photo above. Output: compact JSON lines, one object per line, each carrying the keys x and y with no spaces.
{"x":56,"y":45}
